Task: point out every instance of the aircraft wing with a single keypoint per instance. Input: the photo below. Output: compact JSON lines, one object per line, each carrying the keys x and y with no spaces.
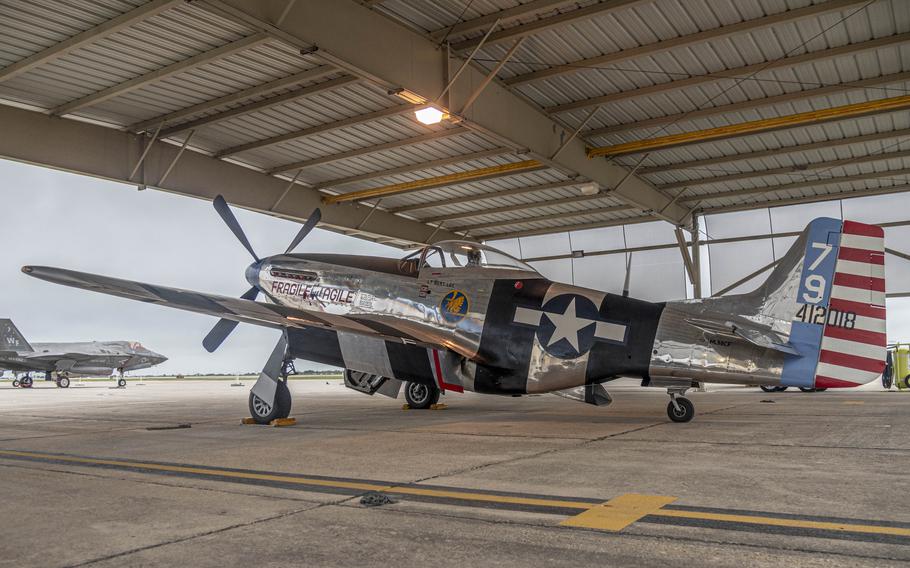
{"x":236,"y":309}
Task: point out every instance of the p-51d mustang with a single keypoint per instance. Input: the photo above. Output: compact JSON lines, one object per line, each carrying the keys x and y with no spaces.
{"x":458,"y":316}
{"x":60,"y":361}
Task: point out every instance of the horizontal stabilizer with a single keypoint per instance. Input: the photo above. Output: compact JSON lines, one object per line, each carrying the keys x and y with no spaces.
{"x":750,"y":332}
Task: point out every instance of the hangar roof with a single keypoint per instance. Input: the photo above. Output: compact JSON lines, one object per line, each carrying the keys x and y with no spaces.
{"x":704,"y":106}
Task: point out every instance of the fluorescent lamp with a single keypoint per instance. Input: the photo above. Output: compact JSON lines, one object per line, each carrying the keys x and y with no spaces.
{"x":429,"y":115}
{"x":589,"y":188}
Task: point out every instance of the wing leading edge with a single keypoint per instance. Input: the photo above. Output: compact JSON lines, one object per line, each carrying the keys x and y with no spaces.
{"x":236,"y":309}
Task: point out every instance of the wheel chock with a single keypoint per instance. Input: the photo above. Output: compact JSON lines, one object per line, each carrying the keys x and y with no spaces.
{"x":439,"y":406}
{"x":406,"y":407}
{"x":278,"y":422}
{"x":247,"y":420}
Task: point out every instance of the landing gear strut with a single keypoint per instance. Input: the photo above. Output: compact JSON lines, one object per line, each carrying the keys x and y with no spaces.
{"x":680,"y":408}
{"x":421,"y":396}
{"x":264,"y":411}
{"x":63,"y":380}
{"x":25,"y":382}
{"x":121,"y":382}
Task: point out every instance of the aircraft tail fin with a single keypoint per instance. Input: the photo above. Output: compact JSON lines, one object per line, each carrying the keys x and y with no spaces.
{"x":831,"y":286}
{"x":11,"y":339}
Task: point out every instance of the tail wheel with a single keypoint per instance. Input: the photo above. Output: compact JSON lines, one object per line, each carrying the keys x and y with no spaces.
{"x":63,"y":382}
{"x":263,"y":412}
{"x":421,"y":396}
{"x":682,"y":411}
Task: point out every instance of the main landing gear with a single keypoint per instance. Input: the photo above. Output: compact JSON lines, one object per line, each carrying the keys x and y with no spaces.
{"x":63,"y":380}
{"x":25,"y":382}
{"x":121,"y":381}
{"x":680,"y":408}
{"x":270,"y":398}
{"x":421,"y":396}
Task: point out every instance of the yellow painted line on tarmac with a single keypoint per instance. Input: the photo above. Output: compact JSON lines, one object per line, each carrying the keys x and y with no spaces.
{"x":613,"y":515}
{"x":619,"y":512}
{"x":778,"y":522}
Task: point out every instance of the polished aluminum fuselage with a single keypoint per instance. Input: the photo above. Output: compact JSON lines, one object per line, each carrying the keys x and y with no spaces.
{"x":669,"y":350}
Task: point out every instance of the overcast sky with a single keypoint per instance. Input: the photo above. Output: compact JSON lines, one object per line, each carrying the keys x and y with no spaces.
{"x":82,"y":223}
{"x":71,"y":221}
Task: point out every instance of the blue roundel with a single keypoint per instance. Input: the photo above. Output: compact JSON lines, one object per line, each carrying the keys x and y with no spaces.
{"x":454,"y":306}
{"x":567,"y":326}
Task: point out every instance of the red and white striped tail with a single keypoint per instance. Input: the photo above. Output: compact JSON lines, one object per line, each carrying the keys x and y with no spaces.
{"x":855,"y":356}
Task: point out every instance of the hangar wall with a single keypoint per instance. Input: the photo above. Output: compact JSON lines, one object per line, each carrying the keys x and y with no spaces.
{"x":659,"y":274}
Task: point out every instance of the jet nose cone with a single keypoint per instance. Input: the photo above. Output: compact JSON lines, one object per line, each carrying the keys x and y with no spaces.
{"x":252,"y":273}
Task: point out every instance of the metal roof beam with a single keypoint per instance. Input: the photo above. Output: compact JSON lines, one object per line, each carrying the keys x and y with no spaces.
{"x":548,"y":217}
{"x":87,"y":37}
{"x":254,"y":91}
{"x":347,"y":34}
{"x":750,"y":104}
{"x":259,"y":105}
{"x":84,"y":148}
{"x":808,"y":199}
{"x":521,"y":207}
{"x":429,"y":137}
{"x":407,"y":168}
{"x":856,"y":110}
{"x":480,"y":174}
{"x":160,"y":74}
{"x":733,"y":74}
{"x":319,"y":129}
{"x":506,"y":15}
{"x":792,"y":186}
{"x":797,"y":170}
{"x":484,"y":196}
{"x":685,"y":41}
{"x":547,"y":23}
{"x":696,"y":164}
{"x":569,"y":228}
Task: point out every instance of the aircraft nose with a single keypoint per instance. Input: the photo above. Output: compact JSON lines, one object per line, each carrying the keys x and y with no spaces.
{"x":252,"y":273}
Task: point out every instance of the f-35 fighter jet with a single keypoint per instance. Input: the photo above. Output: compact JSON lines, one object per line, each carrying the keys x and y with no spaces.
{"x":60,"y":361}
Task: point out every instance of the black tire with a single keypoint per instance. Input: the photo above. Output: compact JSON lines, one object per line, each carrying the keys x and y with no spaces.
{"x":768,"y":388}
{"x":821,"y":390}
{"x":421,"y":396}
{"x":905,"y":382}
{"x":888,"y":373}
{"x":26,"y":383}
{"x":808,"y":389}
{"x":63,"y":382}
{"x":262,"y":413}
{"x":16,"y":383}
{"x":121,"y":382}
{"x":684,"y":413}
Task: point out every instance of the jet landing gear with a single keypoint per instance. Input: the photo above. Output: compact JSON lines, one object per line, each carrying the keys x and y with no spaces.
{"x":265,"y":408}
{"x":63,"y":380}
{"x":25,"y":382}
{"x":680,"y":408}
{"x":121,"y":381}
{"x":421,"y":396}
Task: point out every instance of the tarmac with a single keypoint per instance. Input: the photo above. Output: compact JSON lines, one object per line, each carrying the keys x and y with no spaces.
{"x":165,"y":474}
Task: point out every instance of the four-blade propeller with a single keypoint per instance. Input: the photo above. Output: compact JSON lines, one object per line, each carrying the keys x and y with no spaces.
{"x":224,"y":327}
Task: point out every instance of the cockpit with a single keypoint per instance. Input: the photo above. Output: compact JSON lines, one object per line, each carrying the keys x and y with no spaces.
{"x":461,"y":254}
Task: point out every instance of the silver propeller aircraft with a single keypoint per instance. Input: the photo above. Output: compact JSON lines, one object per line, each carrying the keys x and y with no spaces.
{"x":60,"y":361}
{"x":457,"y":315}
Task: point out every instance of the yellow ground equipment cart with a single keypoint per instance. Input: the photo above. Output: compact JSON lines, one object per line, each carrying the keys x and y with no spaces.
{"x":897,"y":369}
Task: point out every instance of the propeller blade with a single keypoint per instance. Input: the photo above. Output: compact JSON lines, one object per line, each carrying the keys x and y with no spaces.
{"x":227,"y":216}
{"x":314,"y":219}
{"x":224,"y":327}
